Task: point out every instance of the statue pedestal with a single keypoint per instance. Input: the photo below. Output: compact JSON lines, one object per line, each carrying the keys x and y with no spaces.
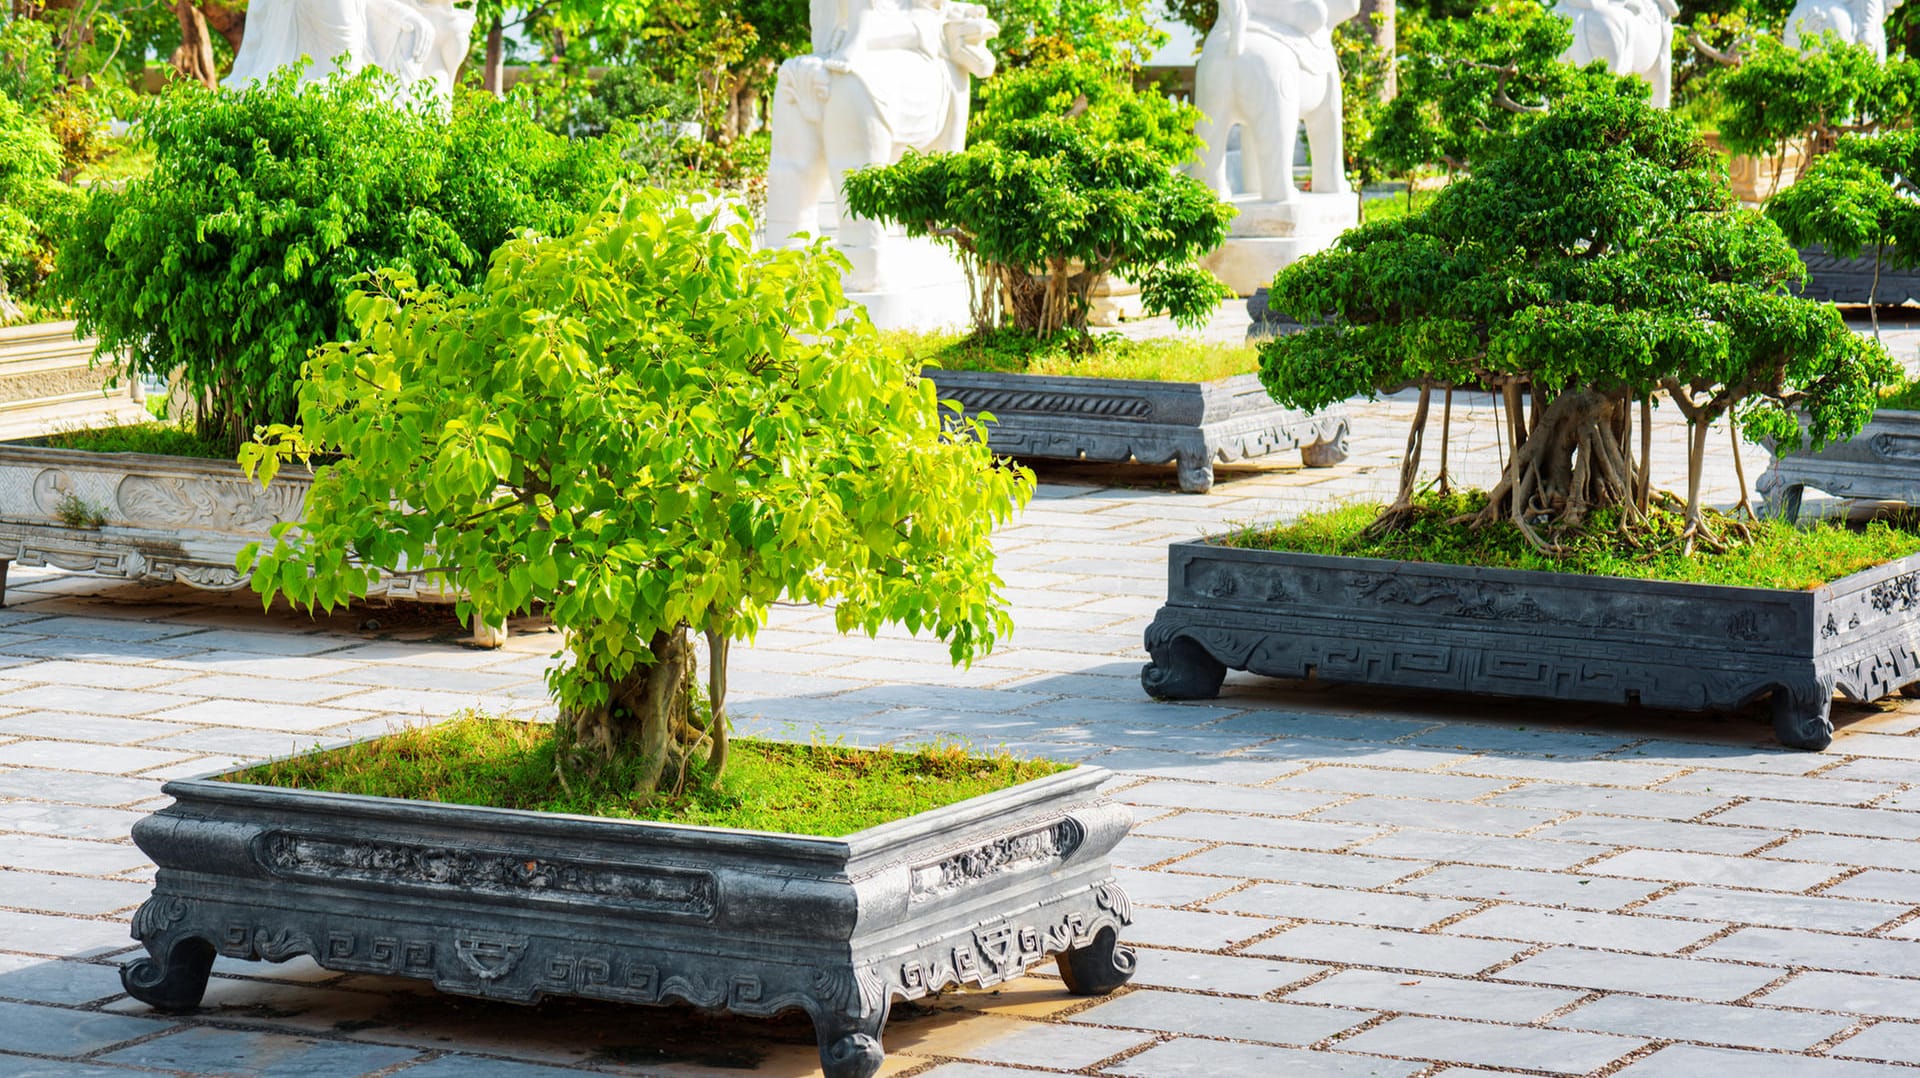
{"x":906,"y":282}
{"x":1268,"y":236}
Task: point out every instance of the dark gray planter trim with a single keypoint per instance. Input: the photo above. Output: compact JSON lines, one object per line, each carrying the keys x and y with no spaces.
{"x":1850,"y":280}
{"x":1112,"y":419}
{"x":514,"y":905}
{"x":1881,"y":463}
{"x":1557,"y":636}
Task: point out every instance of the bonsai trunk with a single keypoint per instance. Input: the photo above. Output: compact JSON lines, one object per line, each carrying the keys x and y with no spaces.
{"x":493,"y":76}
{"x":194,"y":58}
{"x":650,"y":714}
{"x":1571,"y":462}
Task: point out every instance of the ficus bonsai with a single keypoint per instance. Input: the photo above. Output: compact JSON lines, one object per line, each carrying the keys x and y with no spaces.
{"x":651,"y":430}
{"x":1598,"y":262}
{"x":1857,"y":198}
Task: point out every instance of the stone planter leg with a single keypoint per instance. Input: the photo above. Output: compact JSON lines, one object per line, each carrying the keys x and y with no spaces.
{"x":1181,"y":670}
{"x":4,"y":566}
{"x":1196,"y":471}
{"x":1098,"y":968}
{"x":1802,"y":714}
{"x":850,"y":1044}
{"x":173,"y":976}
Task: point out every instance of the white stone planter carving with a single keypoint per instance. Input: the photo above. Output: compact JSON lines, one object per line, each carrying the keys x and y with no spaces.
{"x":48,"y":383}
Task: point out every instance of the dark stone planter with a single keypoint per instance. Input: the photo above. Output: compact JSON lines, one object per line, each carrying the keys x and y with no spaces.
{"x":514,"y":905}
{"x":1110,"y":419}
{"x":1881,"y":463}
{"x":1850,"y":280}
{"x":1556,"y":636}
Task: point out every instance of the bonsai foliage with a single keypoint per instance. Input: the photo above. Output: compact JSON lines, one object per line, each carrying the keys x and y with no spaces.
{"x":236,"y":255}
{"x":648,"y":428}
{"x":1858,"y":198}
{"x":1597,"y":262}
{"x":1469,"y":86}
{"x":1069,"y":177}
{"x":1776,"y":94}
{"x":30,"y":198}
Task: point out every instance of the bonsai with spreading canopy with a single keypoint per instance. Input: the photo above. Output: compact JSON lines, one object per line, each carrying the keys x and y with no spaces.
{"x":651,"y":429}
{"x":1598,"y":262}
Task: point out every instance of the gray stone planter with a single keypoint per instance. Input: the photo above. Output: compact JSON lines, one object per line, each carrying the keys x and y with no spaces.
{"x":1881,"y":463}
{"x":515,"y":906}
{"x":1111,"y":419}
{"x":1850,"y":280}
{"x":162,"y":519}
{"x":1557,"y":636}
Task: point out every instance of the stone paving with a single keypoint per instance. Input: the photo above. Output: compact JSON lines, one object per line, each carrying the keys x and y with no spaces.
{"x":1328,"y":881}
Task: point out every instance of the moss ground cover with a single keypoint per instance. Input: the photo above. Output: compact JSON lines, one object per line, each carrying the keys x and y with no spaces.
{"x":767,"y":785}
{"x":163,"y":439}
{"x":1109,"y":356}
{"x":1902,"y":398}
{"x":1776,"y":554}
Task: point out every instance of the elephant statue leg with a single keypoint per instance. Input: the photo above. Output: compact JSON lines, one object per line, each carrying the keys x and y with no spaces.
{"x":796,"y":169}
{"x":1271,"y":143}
{"x":1324,"y":142}
{"x":1215,"y":125}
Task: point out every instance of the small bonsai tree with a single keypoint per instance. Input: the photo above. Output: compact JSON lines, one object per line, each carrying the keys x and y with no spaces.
{"x":1774,"y":95}
{"x":1070,"y":176}
{"x":1599,"y":261}
{"x":1858,"y":198}
{"x":235,"y":256}
{"x":649,"y":428}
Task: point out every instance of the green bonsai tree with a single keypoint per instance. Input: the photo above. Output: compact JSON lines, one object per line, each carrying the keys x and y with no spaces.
{"x":1069,"y":176}
{"x":1858,"y":198}
{"x":650,"y":429}
{"x":1599,"y":261}
{"x":235,"y":256}
{"x":1774,"y":95}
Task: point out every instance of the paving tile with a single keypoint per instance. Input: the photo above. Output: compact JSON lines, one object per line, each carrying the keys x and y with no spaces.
{"x":1339,"y":905}
{"x":68,"y":855}
{"x":66,"y":821}
{"x":1848,"y":850}
{"x":1263,"y":801}
{"x":1193,"y":930}
{"x":60,"y":936}
{"x":266,"y":689}
{"x":1480,"y":850}
{"x":944,"y":1070}
{"x":1818,"y":950}
{"x":59,"y":1031}
{"x":1212,"y":1016}
{"x":1608,"y":931}
{"x":1448,"y":997}
{"x":1370,"y":780}
{"x":1850,"y":993}
{"x":95,"y":674}
{"x":1532,"y":888}
{"x":1711,"y":1023}
{"x":1136,"y":851}
{"x":1314,"y":724}
{"x":1436,"y":815}
{"x":1693,"y":1061}
{"x":1534,"y":741}
{"x":1689,"y":977}
{"x":40,"y":892}
{"x":1816,"y":789}
{"x":248,"y":664}
{"x":1659,"y":834}
{"x":72,"y":788}
{"x":46,"y":980}
{"x":1553,"y":1051}
{"x":1584,"y":772}
{"x":1310,"y":750}
{"x":1710,"y":756}
{"x":1156,"y":888}
{"x":1227,"y":974}
{"x":1248,"y":830}
{"x":1244,"y":769}
{"x":76,"y":756}
{"x":1755,"y":872}
{"x":1898,"y":1042}
{"x":1290,"y":866}
{"x":1775,"y":910}
{"x":68,"y":726}
{"x":261,"y":716}
{"x":268,"y":1055}
{"x":14,"y":1066}
{"x":90,"y":700}
{"x":1785,"y":815}
{"x":466,"y":1066}
{"x":1190,"y":1058}
{"x":1063,"y":1046}
{"x":1386,"y":948}
{"x":1653,"y":804}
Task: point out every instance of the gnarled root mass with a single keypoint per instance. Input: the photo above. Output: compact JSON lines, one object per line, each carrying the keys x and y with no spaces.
{"x":651,"y":715}
{"x":1574,"y":460}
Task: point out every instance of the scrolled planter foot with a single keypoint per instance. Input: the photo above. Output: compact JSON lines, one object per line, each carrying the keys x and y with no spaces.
{"x":1196,"y":474}
{"x":1911,"y":692}
{"x":174,"y":978}
{"x":1326,"y":452}
{"x":1802,"y":714}
{"x":1182,"y":670}
{"x":850,"y":1047}
{"x":1098,"y":968}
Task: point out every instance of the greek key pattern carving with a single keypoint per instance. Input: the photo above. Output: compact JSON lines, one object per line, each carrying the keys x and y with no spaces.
{"x":1012,"y":853}
{"x":659,"y":891}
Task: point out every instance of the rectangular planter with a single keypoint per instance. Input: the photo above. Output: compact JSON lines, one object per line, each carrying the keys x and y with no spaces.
{"x":1193,"y":424}
{"x":513,"y":905}
{"x":1523,"y":633}
{"x":166,"y":519}
{"x":48,"y":383}
{"x":1881,"y":463}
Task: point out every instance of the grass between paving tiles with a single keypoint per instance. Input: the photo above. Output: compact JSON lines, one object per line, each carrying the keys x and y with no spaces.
{"x":1110,"y":356}
{"x":767,"y":786}
{"x":1778,"y":555}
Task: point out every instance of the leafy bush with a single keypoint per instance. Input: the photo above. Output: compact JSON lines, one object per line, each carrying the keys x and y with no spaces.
{"x":1858,"y":198}
{"x":650,"y":428}
{"x":1069,"y":177}
{"x":1778,"y":94}
{"x":1598,"y":261}
{"x":31,"y":198}
{"x":236,"y":254}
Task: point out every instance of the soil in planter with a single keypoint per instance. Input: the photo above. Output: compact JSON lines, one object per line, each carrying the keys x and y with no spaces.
{"x":1106,"y":355}
{"x":1777,"y":554}
{"x":767,"y":786}
{"x":161,"y":439}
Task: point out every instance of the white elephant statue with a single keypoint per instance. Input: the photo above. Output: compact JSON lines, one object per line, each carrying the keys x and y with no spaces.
{"x":1855,"y":22}
{"x":416,"y":41}
{"x":1633,"y":37}
{"x":885,"y":76}
{"x":1265,"y":66}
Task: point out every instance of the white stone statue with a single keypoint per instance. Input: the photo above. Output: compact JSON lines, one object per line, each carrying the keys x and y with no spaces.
{"x":414,"y":40}
{"x":885,"y":76}
{"x":1855,"y":22}
{"x":1265,"y":66}
{"x":1633,"y":37}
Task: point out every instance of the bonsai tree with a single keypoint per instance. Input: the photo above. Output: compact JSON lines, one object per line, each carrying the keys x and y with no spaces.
{"x":235,"y":256}
{"x":1857,"y":198}
{"x":1069,"y":176}
{"x":1599,"y":261}
{"x":650,"y":429}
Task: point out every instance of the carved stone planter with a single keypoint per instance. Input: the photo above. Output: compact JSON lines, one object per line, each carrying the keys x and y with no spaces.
{"x":1851,"y":280}
{"x":1881,"y":463}
{"x":159,"y":519}
{"x":1193,"y":424}
{"x":515,"y":906}
{"x":48,"y":383}
{"x":1557,"y":636}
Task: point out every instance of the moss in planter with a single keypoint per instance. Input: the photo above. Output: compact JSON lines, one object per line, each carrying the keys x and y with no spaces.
{"x":161,"y":439}
{"x":1777,"y":555}
{"x":1110,"y":356}
{"x":768,"y":785}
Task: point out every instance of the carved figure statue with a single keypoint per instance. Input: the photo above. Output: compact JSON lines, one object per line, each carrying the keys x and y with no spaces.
{"x":414,"y":40}
{"x":1633,"y":37}
{"x":1856,"y":22}
{"x":885,"y":76}
{"x":1265,"y":66}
